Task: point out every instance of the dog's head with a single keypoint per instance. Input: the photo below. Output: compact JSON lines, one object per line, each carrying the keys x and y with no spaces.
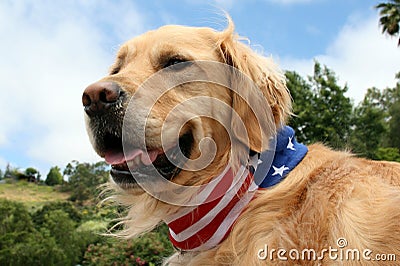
{"x":177,"y":99}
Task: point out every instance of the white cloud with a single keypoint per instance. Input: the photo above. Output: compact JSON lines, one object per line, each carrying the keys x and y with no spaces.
{"x":360,"y":56}
{"x":49,"y":53}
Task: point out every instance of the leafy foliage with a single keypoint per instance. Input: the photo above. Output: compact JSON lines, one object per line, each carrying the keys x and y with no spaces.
{"x":324,"y":114}
{"x":54,"y":177}
{"x":392,"y":97}
{"x":150,"y":249}
{"x":52,"y":236}
{"x":376,"y":124}
{"x":369,"y":126}
{"x":322,"y":111}
{"x":388,"y":154}
{"x":32,"y":174}
{"x":302,"y":95}
{"x":39,"y":217}
{"x":390,"y":17}
{"x":10,"y":172}
{"x":84,"y":179}
{"x":61,"y":233}
{"x":14,"y":221}
{"x":54,"y":240}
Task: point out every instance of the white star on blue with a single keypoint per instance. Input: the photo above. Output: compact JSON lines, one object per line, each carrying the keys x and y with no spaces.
{"x":290,"y":144}
{"x":280,"y":170}
{"x":288,"y":153}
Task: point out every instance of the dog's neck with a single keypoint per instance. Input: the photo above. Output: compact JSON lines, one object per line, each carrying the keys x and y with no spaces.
{"x":202,"y":227}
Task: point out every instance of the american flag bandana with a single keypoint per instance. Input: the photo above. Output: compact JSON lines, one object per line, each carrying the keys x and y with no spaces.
{"x":202,"y":227}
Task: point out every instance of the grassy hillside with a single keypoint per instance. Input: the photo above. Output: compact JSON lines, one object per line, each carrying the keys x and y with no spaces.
{"x":39,"y":226}
{"x":30,"y":194}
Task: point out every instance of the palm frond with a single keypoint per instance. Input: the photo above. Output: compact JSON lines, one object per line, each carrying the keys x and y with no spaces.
{"x":390,"y":17}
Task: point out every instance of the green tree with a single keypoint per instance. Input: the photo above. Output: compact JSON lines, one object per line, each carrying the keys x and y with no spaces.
{"x":20,"y":243}
{"x":59,"y":226}
{"x":302,"y":95}
{"x":376,"y":124}
{"x":369,"y":125}
{"x":38,"y":217}
{"x":388,"y":154}
{"x":394,"y":125}
{"x":322,"y":111}
{"x":32,"y":174}
{"x":55,"y":240}
{"x":390,"y":17}
{"x":84,"y":179}
{"x":54,"y":177}
{"x":392,"y":102}
{"x":12,"y":172}
{"x":332,"y":108}
{"x":15,"y":221}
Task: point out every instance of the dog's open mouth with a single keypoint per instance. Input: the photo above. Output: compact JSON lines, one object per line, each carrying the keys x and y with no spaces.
{"x":126,"y":163}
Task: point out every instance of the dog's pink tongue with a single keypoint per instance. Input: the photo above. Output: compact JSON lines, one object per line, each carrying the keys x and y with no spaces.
{"x":113,"y":157}
{"x":119,"y":157}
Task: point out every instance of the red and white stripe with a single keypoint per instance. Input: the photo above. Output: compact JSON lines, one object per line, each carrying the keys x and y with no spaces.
{"x":202,"y":227}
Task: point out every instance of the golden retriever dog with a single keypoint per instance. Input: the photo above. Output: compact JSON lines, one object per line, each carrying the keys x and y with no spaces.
{"x":193,"y":123}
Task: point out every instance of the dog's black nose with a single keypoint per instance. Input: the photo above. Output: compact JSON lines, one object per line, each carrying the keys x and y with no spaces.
{"x":99,"y":96}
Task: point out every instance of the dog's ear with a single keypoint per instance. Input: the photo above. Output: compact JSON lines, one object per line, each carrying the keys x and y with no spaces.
{"x":268,"y":83}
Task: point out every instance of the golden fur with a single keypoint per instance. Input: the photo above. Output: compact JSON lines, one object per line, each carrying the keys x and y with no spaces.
{"x":328,"y":195}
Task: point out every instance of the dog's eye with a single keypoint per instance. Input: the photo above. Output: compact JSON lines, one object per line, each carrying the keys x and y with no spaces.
{"x":115,"y":70}
{"x":176,"y":63}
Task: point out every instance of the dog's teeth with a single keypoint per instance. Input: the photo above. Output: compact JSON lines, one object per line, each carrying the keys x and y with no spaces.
{"x":131,"y":164}
{"x":137,"y":160}
{"x":134,"y":163}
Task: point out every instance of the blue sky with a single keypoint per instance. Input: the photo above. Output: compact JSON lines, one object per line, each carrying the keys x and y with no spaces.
{"x":51,"y":50}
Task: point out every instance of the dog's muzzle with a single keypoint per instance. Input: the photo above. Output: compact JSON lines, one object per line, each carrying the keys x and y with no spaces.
{"x":105,"y":105}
